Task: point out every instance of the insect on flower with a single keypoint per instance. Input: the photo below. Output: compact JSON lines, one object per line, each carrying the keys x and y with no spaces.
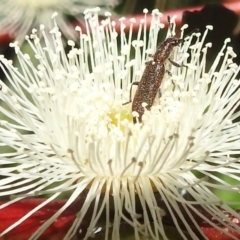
{"x":153,"y":74}
{"x":68,"y":136}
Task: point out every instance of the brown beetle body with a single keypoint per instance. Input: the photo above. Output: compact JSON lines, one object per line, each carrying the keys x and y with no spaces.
{"x":152,"y":77}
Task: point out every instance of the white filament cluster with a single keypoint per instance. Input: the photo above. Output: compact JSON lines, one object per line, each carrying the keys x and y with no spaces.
{"x":18,"y":17}
{"x":66,"y":122}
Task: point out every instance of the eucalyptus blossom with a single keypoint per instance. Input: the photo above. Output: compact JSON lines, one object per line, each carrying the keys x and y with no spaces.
{"x":69,"y":130}
{"x":19,"y":17}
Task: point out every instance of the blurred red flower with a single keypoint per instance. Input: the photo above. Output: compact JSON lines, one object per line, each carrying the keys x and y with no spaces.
{"x":10,"y":214}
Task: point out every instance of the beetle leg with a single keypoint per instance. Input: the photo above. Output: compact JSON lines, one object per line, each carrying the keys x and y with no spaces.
{"x":176,"y":64}
{"x":169,"y":73}
{"x":130,"y":93}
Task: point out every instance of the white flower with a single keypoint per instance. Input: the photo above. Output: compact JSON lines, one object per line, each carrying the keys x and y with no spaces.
{"x":18,"y":17}
{"x":68,"y":125}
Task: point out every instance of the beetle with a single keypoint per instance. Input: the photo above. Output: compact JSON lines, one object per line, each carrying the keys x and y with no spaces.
{"x":148,"y":86}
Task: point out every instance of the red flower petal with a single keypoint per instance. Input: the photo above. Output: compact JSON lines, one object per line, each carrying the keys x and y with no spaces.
{"x":12,"y":213}
{"x":214,"y":234}
{"x":210,"y":232}
{"x":5,"y":38}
